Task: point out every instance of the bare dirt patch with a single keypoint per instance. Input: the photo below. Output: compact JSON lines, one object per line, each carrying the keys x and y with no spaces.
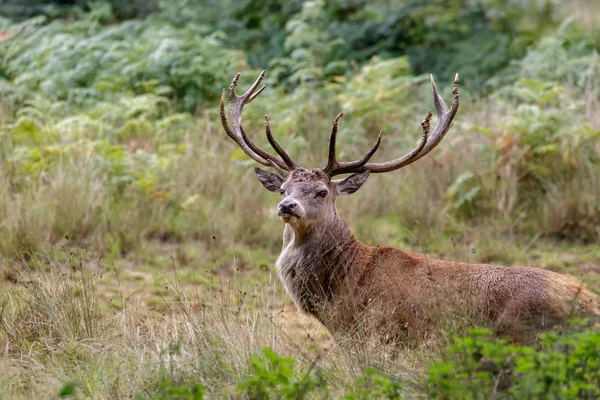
{"x":590,"y":268}
{"x":227,"y":269}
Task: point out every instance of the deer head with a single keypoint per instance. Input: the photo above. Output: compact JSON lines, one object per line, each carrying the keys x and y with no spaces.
{"x":308,"y":196}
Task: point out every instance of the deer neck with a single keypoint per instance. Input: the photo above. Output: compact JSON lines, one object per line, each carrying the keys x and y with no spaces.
{"x":319,"y":237}
{"x":314,"y":262}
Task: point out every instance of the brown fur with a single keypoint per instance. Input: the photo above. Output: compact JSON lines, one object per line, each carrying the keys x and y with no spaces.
{"x":350,"y":286}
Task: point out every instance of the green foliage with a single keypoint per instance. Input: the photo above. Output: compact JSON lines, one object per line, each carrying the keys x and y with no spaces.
{"x":18,"y":10}
{"x":376,"y":385}
{"x":275,"y":376}
{"x":309,"y":47}
{"x":376,"y":94}
{"x":314,"y":39}
{"x":463,"y":192}
{"x":545,"y":132}
{"x":124,"y":99}
{"x":561,"y":366}
{"x":168,"y":390}
{"x":91,"y":63}
{"x":477,"y":38}
{"x":568,"y":55}
{"x":68,"y":390}
{"x":549,"y":139}
{"x":257,"y":26}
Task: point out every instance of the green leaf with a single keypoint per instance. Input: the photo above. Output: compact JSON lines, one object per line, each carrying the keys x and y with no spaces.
{"x":68,"y":389}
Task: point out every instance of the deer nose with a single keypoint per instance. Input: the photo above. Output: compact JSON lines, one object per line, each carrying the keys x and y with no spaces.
{"x":286,"y":206}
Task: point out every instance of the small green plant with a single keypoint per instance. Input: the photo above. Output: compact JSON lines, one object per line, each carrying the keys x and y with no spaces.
{"x":309,"y":46}
{"x":168,"y":390}
{"x":273,"y":376}
{"x":374,"y":384}
{"x":68,"y":390}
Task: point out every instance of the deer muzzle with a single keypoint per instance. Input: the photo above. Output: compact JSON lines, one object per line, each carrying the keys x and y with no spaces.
{"x":289,"y":211}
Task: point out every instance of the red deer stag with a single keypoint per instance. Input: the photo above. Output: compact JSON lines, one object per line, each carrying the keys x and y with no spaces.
{"x":347,"y":284}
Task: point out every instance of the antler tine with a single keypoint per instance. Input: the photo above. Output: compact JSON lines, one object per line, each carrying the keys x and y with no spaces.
{"x":270,"y":159}
{"x":366,"y":157}
{"x":249,"y":92}
{"x":361,"y":165}
{"x":331,"y":160}
{"x":438,"y":101}
{"x":286,"y":158}
{"x":238,"y":102}
{"x":238,"y":139}
{"x":354,"y":166}
{"x":238,"y":134}
{"x":334,"y":167}
{"x":445,"y":119}
{"x":255,"y":95}
{"x":427,"y":143}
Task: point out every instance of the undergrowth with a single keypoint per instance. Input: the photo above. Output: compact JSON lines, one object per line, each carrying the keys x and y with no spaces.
{"x":74,"y":340}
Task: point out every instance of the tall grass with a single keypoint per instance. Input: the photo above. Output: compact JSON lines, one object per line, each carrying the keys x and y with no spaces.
{"x":56,"y":328}
{"x":60,"y":332}
{"x":203,"y":187}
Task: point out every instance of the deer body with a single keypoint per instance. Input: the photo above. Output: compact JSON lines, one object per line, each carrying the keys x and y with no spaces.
{"x":352,"y":287}
{"x":345,"y":283}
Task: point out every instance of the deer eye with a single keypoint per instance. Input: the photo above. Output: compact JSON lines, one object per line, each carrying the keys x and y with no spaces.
{"x":322,"y":193}
{"x":281,"y":192}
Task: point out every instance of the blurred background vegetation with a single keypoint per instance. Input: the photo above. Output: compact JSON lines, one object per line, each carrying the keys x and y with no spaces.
{"x":137,"y":246}
{"x":109,"y":132}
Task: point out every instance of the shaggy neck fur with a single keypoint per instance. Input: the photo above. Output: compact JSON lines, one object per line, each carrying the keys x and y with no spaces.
{"x":315,"y":262}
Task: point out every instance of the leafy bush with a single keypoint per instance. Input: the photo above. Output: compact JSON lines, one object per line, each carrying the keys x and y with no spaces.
{"x":561,"y":366}
{"x":309,"y":46}
{"x":17,"y":10}
{"x":374,"y":384}
{"x":91,"y":63}
{"x":273,"y":375}
{"x":547,"y":135}
{"x":548,"y":144}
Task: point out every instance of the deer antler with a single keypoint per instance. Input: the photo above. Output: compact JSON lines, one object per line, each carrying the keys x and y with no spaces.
{"x":427,"y":143}
{"x":334,"y":167}
{"x":238,"y":134}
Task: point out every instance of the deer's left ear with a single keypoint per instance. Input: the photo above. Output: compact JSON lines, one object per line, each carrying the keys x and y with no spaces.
{"x":352,"y":183}
{"x":269,"y":180}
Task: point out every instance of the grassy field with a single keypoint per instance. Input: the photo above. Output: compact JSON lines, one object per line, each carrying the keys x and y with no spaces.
{"x":138,"y":248}
{"x":176,"y":312}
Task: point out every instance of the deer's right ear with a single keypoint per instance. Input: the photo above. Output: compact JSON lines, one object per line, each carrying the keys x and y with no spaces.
{"x":352,"y":183}
{"x":269,"y":180}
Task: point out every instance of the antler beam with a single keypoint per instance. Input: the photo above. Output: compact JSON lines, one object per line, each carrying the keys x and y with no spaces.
{"x":427,"y":143}
{"x":284,"y":161}
{"x":335,"y":167}
{"x":238,"y":134}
